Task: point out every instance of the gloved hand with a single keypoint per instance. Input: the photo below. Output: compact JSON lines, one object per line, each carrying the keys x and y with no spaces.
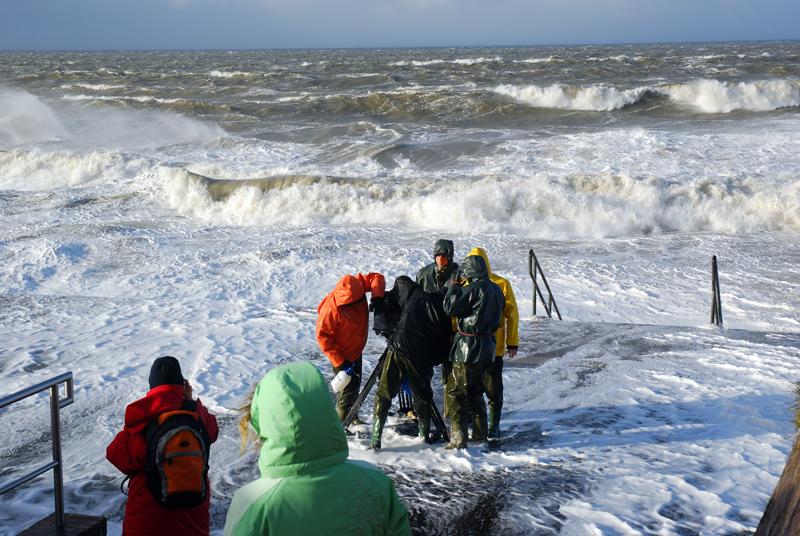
{"x":377,"y":305}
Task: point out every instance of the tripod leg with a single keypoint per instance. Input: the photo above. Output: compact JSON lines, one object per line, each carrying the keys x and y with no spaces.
{"x":376,"y":372}
{"x":436,"y":416}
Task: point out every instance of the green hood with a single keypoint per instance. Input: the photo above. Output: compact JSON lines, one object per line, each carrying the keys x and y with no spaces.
{"x":293,"y":414}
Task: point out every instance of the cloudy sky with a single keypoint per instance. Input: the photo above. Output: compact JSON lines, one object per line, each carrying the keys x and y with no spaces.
{"x":229,"y":24}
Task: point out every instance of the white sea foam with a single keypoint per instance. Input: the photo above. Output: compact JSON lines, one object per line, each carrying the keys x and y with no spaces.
{"x":37,"y":170}
{"x":123,"y":98}
{"x":457,"y":61}
{"x":571,"y":206}
{"x":94,"y":87}
{"x":596,"y":97}
{"x":230,"y":74}
{"x":714,"y":96}
{"x":548,"y":59}
{"x":705,"y":95}
{"x":416,"y":63}
{"x":476,"y":61}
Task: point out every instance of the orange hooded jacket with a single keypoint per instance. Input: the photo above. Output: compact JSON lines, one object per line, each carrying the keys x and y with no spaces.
{"x":343,"y":317}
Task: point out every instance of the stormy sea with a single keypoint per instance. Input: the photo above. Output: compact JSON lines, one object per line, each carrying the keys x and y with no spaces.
{"x":201,"y":204}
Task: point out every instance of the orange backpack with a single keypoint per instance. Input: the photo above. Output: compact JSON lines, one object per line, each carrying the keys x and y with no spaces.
{"x":176,"y":466}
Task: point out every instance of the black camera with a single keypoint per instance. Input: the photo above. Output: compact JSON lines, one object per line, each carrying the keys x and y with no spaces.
{"x":386,"y":318}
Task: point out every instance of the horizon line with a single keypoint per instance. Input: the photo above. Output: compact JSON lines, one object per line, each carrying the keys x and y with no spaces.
{"x":402,"y":47}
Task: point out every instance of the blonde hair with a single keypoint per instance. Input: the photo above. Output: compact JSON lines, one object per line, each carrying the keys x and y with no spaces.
{"x":244,"y":422}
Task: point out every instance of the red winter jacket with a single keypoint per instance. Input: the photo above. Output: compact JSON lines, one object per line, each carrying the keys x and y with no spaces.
{"x":343,"y":317}
{"x":143,"y":515}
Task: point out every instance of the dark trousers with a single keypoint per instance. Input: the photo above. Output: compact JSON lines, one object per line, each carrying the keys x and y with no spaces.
{"x":493,"y":384}
{"x":464,"y":391}
{"x":397,"y":368}
{"x":347,"y":397}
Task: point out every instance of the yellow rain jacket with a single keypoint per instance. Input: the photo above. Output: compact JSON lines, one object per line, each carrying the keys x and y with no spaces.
{"x":508,"y":332}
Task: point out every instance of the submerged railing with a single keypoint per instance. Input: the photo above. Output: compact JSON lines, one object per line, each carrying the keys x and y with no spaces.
{"x":56,"y":465}
{"x":535,"y":270}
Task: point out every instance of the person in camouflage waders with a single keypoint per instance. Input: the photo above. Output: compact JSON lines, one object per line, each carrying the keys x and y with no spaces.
{"x":478,"y":306}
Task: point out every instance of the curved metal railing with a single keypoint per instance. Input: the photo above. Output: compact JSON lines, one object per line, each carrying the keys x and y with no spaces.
{"x":56,"y":465}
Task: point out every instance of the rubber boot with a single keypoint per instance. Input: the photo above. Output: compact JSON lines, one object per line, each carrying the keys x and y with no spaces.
{"x":479,"y":426}
{"x":494,"y":420}
{"x":423,"y":412}
{"x":458,"y":439}
{"x":377,"y":432}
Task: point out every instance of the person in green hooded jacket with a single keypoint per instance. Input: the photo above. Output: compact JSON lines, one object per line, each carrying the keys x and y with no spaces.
{"x":307,"y":484}
{"x":506,"y":337}
{"x":478,"y":307}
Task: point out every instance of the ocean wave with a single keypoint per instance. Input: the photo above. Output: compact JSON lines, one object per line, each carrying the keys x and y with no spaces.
{"x":34,"y":170}
{"x":230,"y":74}
{"x":457,"y":61}
{"x":548,"y":59}
{"x":568,"y":206}
{"x":174,"y":103}
{"x":132,"y":98}
{"x":416,"y":63}
{"x":704,"y":95}
{"x":94,"y":87}
{"x":477,"y":61}
{"x":714,"y":96}
{"x":590,"y":98}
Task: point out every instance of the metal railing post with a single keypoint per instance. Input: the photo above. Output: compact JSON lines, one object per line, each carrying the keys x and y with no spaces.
{"x":716,"y":298}
{"x":535,"y":270}
{"x":58,"y":475}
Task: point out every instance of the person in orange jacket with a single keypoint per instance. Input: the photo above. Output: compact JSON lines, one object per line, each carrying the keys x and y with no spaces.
{"x":342,"y":326}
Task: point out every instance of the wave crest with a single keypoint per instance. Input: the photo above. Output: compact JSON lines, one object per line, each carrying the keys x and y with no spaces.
{"x":566,"y":207}
{"x":704,"y":95}
{"x":589,"y":98}
{"x":714,"y":96}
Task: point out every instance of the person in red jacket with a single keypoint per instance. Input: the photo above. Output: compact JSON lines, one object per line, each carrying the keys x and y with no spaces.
{"x":143,"y":515}
{"x":342,"y":327}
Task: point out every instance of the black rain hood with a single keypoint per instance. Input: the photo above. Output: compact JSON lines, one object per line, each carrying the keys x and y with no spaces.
{"x":474,"y":267}
{"x":444,"y":247}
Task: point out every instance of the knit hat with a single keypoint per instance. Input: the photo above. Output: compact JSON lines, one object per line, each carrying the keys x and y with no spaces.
{"x":165,"y":370}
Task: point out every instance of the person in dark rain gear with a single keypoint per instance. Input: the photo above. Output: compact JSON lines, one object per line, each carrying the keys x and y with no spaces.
{"x":434,"y":276}
{"x":421,"y":338}
{"x":144,"y":515}
{"x":478,"y":307}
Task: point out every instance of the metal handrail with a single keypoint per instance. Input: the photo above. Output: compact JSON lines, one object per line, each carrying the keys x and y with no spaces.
{"x":716,"y":298}
{"x":535,"y":270}
{"x":55,"y":432}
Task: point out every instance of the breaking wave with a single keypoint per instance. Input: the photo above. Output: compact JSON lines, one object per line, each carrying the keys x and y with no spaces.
{"x":569,"y":206}
{"x":597,"y":98}
{"x":458,"y":61}
{"x":704,"y":95}
{"x":32,"y":170}
{"x":713,"y":96}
